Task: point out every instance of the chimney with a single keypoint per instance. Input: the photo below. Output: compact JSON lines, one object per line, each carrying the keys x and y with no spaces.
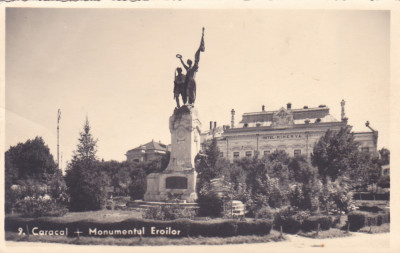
{"x":289,"y":106}
{"x":233,"y":118}
{"x":215,"y":124}
{"x":343,"y":114}
{"x":210,"y":125}
{"x":263,"y":108}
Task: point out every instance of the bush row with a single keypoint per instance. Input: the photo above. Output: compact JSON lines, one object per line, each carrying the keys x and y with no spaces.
{"x":311,"y":223}
{"x":359,"y":219}
{"x":370,"y":196}
{"x":186,"y":227}
{"x":294,"y":223}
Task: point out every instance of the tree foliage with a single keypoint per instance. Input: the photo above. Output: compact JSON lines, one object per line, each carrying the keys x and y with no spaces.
{"x":384,"y":158}
{"x":335,"y":153}
{"x":85,"y":179}
{"x":209,"y":165}
{"x":33,"y":180}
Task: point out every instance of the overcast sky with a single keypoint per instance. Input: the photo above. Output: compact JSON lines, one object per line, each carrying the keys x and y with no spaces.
{"x":116,"y":66}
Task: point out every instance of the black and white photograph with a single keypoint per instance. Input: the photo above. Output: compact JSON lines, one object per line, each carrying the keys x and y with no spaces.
{"x":222,"y":128}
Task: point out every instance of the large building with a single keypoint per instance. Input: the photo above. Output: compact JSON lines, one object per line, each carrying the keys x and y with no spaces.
{"x":292,"y":130}
{"x":147,"y":152}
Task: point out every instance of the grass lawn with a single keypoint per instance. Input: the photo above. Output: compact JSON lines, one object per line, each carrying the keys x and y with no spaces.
{"x":384,"y":228}
{"x":331,"y":233}
{"x":101,"y":215}
{"x":147,"y":241}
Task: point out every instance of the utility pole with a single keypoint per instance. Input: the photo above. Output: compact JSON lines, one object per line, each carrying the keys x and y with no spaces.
{"x":58,"y":137}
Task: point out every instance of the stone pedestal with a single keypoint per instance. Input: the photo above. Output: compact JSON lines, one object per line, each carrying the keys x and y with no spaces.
{"x":179,"y":178}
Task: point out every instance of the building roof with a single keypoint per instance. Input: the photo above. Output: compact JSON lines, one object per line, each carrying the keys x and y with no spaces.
{"x":151,"y":146}
{"x":298,"y":116}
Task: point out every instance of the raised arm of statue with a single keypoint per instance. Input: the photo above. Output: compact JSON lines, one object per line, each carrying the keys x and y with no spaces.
{"x":183,"y":64}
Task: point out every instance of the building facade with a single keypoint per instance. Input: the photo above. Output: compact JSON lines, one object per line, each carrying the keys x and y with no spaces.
{"x":147,"y":152}
{"x":294,"y":131}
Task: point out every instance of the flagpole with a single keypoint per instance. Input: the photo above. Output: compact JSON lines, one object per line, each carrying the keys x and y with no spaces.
{"x":58,"y":137}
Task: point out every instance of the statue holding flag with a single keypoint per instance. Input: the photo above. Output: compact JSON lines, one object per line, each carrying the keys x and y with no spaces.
{"x":190,"y":83}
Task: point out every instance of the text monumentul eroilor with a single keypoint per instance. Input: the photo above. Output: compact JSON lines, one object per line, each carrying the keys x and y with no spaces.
{"x":153,"y":231}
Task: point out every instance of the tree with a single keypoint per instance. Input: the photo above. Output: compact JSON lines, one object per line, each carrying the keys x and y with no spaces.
{"x":32,"y":179}
{"x":138,"y":185}
{"x":209,"y":165}
{"x":29,"y":160}
{"x":85,"y":179}
{"x":305,"y":185}
{"x":384,"y":156}
{"x":335,"y":153}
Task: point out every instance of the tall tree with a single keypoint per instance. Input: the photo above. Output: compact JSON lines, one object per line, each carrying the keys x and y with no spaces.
{"x":335,"y":153}
{"x":85,"y":180}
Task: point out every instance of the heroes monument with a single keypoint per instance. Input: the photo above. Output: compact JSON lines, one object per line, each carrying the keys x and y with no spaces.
{"x":178,"y":180}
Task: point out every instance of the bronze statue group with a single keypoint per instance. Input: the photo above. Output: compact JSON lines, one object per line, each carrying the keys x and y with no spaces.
{"x":185,"y":85}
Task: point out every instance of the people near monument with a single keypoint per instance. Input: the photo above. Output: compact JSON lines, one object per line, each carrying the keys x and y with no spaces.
{"x":190,"y":83}
{"x":179,"y":87}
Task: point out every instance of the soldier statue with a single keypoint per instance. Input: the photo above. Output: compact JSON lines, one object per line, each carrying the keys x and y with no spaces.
{"x":190,"y":83}
{"x":179,"y":87}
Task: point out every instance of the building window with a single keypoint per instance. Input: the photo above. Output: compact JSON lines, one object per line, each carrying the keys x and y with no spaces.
{"x":365,"y":149}
{"x":248,"y":153}
{"x":297,"y":152}
{"x":266,"y":152}
{"x":245,"y":125}
{"x":235,"y":155}
{"x":221,"y":154}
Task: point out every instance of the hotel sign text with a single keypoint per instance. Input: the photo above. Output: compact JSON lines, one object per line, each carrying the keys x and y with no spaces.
{"x":282,"y":136}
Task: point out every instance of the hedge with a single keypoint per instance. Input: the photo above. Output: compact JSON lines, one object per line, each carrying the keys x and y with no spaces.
{"x":185,"y":226}
{"x":370,"y":196}
{"x":290,"y":220}
{"x":359,"y":219}
{"x":311,"y":223}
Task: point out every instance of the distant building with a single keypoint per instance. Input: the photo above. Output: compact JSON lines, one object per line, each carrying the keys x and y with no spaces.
{"x":147,"y":152}
{"x":293,"y":130}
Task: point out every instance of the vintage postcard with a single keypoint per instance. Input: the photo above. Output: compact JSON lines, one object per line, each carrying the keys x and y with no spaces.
{"x":184,"y":126}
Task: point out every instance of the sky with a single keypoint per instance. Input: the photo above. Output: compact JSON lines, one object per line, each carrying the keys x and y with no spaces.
{"x":116,"y":67}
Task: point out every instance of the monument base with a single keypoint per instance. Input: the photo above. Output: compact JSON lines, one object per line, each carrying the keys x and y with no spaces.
{"x":178,"y":180}
{"x":170,"y":185}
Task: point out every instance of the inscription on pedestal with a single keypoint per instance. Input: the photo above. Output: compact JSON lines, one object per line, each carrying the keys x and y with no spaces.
{"x":176,"y":183}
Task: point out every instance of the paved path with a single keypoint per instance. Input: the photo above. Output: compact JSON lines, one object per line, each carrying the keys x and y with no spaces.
{"x":353,"y":243}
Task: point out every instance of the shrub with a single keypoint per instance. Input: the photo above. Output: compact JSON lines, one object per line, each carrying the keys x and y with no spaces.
{"x":361,"y":219}
{"x":42,"y":206}
{"x":311,"y":223}
{"x":258,"y":227}
{"x":290,"y":220}
{"x":210,"y":205}
{"x":154,"y":213}
{"x":265,"y":213}
{"x":212,"y":228}
{"x":373,"y":209}
{"x":168,"y":212}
